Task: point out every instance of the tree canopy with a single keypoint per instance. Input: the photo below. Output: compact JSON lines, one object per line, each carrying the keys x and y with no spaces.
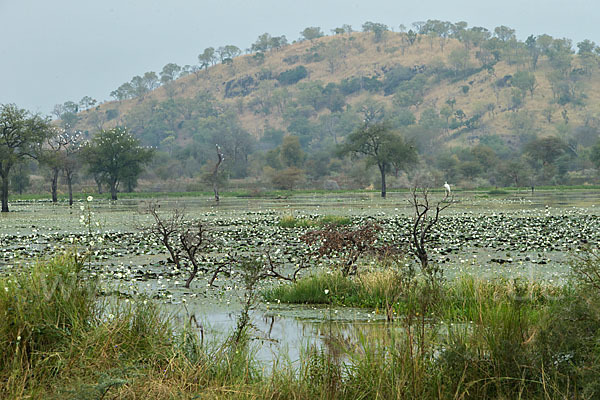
{"x":21,"y":136}
{"x":116,"y":156}
{"x":380,"y":146}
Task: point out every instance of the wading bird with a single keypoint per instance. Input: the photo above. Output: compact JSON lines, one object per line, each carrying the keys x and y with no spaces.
{"x":447,"y":187}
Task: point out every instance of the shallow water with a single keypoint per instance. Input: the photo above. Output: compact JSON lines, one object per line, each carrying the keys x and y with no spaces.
{"x":524,"y":235}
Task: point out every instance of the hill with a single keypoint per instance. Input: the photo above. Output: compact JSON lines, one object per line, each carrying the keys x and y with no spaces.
{"x":476,"y":104}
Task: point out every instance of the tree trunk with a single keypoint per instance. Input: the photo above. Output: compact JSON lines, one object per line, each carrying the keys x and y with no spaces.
{"x":55,"y":172}
{"x":70,"y":186}
{"x":99,"y":184}
{"x":5,"y":193}
{"x":215,"y":173}
{"x":113,"y":190}
{"x":191,"y":277}
{"x":383,"y":188}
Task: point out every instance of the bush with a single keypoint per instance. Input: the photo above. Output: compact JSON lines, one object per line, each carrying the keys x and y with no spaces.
{"x":292,"y":76}
{"x":395,"y":77}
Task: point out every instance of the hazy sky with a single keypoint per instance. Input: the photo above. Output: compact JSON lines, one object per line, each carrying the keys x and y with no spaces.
{"x":52,"y":51}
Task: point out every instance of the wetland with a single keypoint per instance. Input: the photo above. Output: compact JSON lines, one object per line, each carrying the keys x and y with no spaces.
{"x":517,"y":235}
{"x":518,"y":239}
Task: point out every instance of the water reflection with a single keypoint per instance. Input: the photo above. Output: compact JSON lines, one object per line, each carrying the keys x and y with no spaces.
{"x":284,"y":332}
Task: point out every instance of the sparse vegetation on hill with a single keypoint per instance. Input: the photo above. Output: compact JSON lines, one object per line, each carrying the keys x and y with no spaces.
{"x":475,"y":103}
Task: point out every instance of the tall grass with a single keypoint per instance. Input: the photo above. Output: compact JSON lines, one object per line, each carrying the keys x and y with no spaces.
{"x":58,"y":338}
{"x":468,"y":339}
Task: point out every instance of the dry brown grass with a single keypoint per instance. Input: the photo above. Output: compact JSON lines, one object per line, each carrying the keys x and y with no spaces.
{"x":362,"y":56}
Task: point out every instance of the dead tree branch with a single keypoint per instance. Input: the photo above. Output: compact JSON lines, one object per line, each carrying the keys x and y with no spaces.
{"x":166,"y":230}
{"x":426,"y":217}
{"x":220,"y":158}
{"x":348,"y":244}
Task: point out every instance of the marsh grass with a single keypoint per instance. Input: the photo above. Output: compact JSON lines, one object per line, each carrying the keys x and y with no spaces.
{"x":466,"y":339}
{"x":460,"y":300}
{"x":289,"y":221}
{"x":59,"y":339}
{"x":495,"y":339}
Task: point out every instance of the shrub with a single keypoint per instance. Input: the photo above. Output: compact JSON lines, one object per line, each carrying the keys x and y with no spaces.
{"x":292,"y":76}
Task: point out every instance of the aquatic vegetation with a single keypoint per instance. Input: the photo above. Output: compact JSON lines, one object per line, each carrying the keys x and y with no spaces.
{"x":289,"y":221}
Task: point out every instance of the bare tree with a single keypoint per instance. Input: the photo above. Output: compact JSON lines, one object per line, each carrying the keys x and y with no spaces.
{"x":349,"y":245}
{"x":220,"y":158}
{"x":192,"y":238}
{"x":272,"y":268}
{"x":427,"y":215}
{"x":166,"y":230}
{"x":187,"y":243}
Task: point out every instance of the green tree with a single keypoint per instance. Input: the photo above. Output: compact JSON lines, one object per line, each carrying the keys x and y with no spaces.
{"x":262,"y":44}
{"x":228,"y":52}
{"x":61,"y":153}
{"x":525,"y":81}
{"x":70,"y":159}
{"x":381,"y":146}
{"x":504,"y":33}
{"x":546,"y":151}
{"x":169,"y":73}
{"x":86,"y":102}
{"x":232,"y":51}
{"x":21,"y":136}
{"x":533,"y":49}
{"x":116,"y":156}
{"x":515,"y":172}
{"x":207,"y":58}
{"x":411,"y":36}
{"x":123,"y":92}
{"x":67,"y":113}
{"x":51,"y":156}
{"x":290,"y":153}
{"x":379,"y":30}
{"x":588,"y":55}
{"x":459,"y":59}
{"x":311,"y":33}
{"x":560,"y":54}
{"x":334,"y":53}
{"x":150,"y":80}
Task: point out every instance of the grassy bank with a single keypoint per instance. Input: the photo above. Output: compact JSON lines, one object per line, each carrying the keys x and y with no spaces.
{"x":381,"y":289}
{"x":59,"y":339}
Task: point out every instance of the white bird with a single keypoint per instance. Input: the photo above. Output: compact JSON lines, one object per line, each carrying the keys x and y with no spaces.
{"x":447,"y":187}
